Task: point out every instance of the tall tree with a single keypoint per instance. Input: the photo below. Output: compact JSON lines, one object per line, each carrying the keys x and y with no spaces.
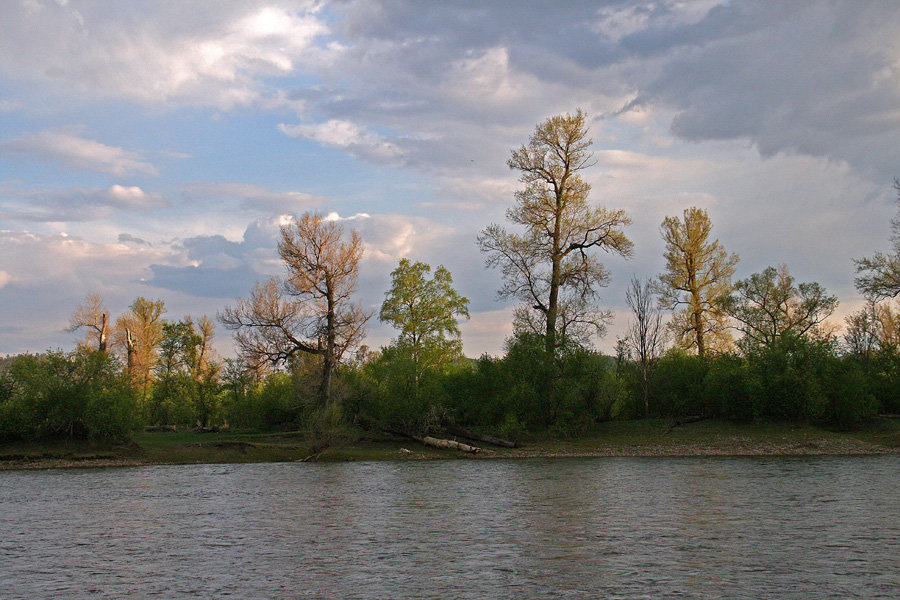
{"x":879,"y":275}
{"x":769,"y":304}
{"x":310,"y":310}
{"x":425,"y":311}
{"x":646,"y":334}
{"x":551,"y":267}
{"x":187,"y":374}
{"x":698,"y":272}
{"x":93,"y":316}
{"x":139,"y":332}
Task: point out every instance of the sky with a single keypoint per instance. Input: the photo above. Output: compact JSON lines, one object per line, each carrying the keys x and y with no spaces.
{"x":155,"y":148}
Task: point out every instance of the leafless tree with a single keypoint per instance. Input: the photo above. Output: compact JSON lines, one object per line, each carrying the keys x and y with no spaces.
{"x":93,"y":316}
{"x":646,"y":333}
{"x":310,"y":310}
{"x":551,"y":267}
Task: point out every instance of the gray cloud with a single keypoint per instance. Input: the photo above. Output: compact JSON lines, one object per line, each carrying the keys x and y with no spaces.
{"x":461,"y":80}
{"x":75,"y":204}
{"x":208,"y":53}
{"x":812,"y":78}
{"x":205,"y":281}
{"x":80,"y":153}
{"x":127,"y":238}
{"x":254,"y":197}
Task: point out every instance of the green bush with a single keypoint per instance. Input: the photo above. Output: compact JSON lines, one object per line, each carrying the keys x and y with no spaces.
{"x":725,"y":389}
{"x":80,"y":394}
{"x":677,"y":386}
{"x":787,"y":379}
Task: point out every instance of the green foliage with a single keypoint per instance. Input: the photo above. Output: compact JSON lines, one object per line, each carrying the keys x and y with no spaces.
{"x":80,"y":394}
{"x":678,"y":384}
{"x":400,"y":400}
{"x":423,"y":310}
{"x":787,"y":379}
{"x":532,"y":390}
{"x":726,"y":392}
{"x":850,"y":401}
{"x":769,"y":304}
{"x":186,"y":390}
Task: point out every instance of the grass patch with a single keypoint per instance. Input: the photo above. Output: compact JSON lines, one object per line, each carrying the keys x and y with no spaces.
{"x":651,"y":437}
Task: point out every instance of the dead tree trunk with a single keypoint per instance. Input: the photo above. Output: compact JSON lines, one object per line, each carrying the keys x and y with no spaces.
{"x":103,"y":334}
{"x":446,"y":444}
{"x":131,"y":350}
{"x":480,"y":437}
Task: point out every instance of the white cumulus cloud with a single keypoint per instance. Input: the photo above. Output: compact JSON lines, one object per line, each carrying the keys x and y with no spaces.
{"x":348,"y":136}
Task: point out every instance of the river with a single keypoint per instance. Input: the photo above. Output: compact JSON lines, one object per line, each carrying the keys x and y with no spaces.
{"x":773,"y":527}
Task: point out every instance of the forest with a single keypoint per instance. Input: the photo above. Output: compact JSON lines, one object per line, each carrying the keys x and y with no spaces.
{"x":700,"y":344}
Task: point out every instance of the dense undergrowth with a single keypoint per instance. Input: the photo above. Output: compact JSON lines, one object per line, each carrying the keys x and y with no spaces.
{"x":525,"y":393}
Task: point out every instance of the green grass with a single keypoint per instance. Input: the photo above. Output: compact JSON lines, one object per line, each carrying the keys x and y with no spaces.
{"x":650,"y":437}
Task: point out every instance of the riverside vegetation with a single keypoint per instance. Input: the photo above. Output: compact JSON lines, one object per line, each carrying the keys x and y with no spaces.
{"x":303,"y":387}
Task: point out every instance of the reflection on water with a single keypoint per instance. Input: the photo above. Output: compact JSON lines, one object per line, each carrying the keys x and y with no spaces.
{"x":824,"y":527}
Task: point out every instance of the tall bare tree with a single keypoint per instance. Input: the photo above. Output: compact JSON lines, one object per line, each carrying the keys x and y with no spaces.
{"x":879,"y":275}
{"x":139,"y":332}
{"x":551,"y":267}
{"x":769,"y":304}
{"x":93,"y":316}
{"x":646,"y":333}
{"x":698,"y":272}
{"x":310,"y":310}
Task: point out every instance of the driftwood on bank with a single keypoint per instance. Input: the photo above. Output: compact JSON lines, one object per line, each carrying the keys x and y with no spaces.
{"x":446,"y":444}
{"x":425,"y":440}
{"x":480,"y":437}
{"x":684,"y":421}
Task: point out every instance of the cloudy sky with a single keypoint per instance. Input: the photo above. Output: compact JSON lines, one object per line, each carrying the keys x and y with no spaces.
{"x":154,"y":148}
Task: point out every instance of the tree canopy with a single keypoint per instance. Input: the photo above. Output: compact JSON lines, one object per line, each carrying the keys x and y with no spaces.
{"x":424,"y":310}
{"x":698,"y":272}
{"x":769,"y":304}
{"x":550,"y":267}
{"x":311,"y":309}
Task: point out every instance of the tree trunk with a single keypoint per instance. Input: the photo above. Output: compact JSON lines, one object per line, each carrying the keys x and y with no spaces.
{"x":103,"y":333}
{"x":487,"y":439}
{"x":130,"y":350}
{"x":447,"y":444}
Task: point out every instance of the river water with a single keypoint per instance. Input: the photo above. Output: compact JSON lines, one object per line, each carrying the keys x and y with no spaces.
{"x":822,"y":527}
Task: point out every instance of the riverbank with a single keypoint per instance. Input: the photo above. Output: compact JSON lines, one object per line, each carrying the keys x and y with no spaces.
{"x":622,"y":438}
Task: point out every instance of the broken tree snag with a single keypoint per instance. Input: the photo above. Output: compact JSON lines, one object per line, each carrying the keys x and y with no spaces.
{"x":103,"y":330}
{"x":480,"y":437}
{"x":447,"y":444}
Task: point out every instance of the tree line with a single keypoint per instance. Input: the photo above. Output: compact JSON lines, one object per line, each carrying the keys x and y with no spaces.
{"x":699,"y":342}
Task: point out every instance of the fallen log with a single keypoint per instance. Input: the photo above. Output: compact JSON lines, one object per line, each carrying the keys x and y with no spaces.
{"x":425,"y":440}
{"x":684,"y":421}
{"x":481,"y":437}
{"x":446,"y":444}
